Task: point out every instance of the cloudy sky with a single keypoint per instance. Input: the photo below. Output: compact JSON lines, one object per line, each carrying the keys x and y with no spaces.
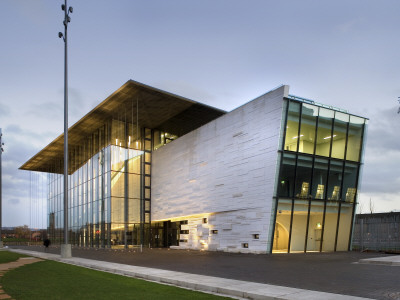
{"x":220,"y":52}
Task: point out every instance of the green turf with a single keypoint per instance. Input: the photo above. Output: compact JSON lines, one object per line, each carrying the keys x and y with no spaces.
{"x":6,"y":256}
{"x":54,"y":280}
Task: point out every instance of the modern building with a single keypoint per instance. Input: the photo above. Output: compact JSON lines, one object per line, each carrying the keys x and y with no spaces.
{"x":277,"y":174}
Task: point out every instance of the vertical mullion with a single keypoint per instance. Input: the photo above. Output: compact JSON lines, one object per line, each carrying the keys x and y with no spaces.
{"x":337,"y":224}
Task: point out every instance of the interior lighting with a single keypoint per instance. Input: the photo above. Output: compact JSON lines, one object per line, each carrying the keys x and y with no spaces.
{"x":129,"y":141}
{"x":295,"y":137}
{"x":318,"y":225}
{"x":328,"y":137}
{"x":116,"y":142}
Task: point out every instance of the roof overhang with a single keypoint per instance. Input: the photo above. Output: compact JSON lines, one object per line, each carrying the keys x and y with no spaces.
{"x":155,"y":109}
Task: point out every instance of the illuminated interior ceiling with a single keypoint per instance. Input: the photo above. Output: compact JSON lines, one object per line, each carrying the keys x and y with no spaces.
{"x":156,"y":109}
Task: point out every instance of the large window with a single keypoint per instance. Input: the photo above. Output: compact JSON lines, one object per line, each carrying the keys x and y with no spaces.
{"x":318,"y":179}
{"x":356,"y":126}
{"x":292,"y":126}
{"x":286,"y":182}
{"x":339,"y":135}
{"x":324,"y":133}
{"x":307,"y":131}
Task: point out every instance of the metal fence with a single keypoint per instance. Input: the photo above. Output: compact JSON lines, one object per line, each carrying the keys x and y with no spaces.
{"x":377,"y":232}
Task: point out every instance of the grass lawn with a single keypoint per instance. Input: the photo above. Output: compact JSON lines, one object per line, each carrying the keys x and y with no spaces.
{"x":54,"y":280}
{"x":6,"y":256}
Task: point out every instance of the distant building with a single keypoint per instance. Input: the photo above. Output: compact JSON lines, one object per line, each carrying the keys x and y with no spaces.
{"x":378,"y":232}
{"x":277,"y":174}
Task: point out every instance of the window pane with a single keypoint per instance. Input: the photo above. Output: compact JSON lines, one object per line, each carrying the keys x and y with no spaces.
{"x":147,"y":145}
{"x":158,"y":139}
{"x":117,"y":184}
{"x":282,"y":226}
{"x":331,"y":215}
{"x":319,"y":178}
{"x":349,"y":181}
{"x":335,"y":180}
{"x":134,"y":211}
{"x":292,"y":126}
{"x":134,"y":161}
{"x":303,"y":177}
{"x":286,"y":181}
{"x":354,"y":140}
{"x":315,"y":226}
{"x":307,"y":132}
{"x":117,"y":210}
{"x":299,"y":226}
{"x":134,"y":186}
{"x":346,"y":211}
{"x":339,"y":135}
{"x":324,"y":133}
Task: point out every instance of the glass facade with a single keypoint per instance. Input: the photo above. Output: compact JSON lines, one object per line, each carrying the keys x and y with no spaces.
{"x":109,"y":188}
{"x":318,"y":178}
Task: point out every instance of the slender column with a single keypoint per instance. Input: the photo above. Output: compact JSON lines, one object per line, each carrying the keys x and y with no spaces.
{"x":66,"y":247}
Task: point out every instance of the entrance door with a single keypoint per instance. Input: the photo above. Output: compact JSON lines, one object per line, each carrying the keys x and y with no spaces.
{"x":171,"y":234}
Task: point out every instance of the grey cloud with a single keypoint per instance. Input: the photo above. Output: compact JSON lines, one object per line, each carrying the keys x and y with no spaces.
{"x":383,"y":130}
{"x":46,"y":110}
{"x":4,"y":110}
{"x":382,"y":155}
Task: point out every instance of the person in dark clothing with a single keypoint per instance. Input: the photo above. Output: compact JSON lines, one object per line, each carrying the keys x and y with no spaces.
{"x":46,"y":243}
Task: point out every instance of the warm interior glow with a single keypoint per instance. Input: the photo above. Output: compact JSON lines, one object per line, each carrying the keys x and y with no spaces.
{"x":328,"y":137}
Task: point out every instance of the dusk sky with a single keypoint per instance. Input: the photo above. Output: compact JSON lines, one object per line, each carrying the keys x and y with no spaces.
{"x":223,"y":53}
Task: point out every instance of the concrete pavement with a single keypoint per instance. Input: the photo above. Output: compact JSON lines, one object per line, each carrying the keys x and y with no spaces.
{"x":224,"y":286}
{"x":388,"y":260}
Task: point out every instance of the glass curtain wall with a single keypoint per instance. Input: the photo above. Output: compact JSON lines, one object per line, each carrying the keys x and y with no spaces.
{"x":109,"y":187}
{"x":317,"y":186}
{"x":104,"y":189}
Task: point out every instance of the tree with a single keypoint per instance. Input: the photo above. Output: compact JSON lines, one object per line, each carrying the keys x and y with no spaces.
{"x":23,"y":231}
{"x":371,"y":206}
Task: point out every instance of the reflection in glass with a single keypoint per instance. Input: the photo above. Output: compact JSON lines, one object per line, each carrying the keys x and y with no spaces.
{"x":307,"y":131}
{"x":292,"y":126}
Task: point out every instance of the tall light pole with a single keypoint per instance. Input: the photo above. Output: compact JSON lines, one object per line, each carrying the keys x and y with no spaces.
{"x":1,"y":188}
{"x":66,"y":247}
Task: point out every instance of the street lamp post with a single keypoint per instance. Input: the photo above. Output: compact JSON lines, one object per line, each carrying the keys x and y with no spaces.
{"x":66,"y":247}
{"x":1,"y":187}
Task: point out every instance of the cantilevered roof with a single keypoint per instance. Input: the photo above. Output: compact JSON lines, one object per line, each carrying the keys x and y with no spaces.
{"x":156,"y":109}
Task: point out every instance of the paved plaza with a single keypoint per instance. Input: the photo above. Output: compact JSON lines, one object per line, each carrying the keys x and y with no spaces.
{"x":283,"y":276}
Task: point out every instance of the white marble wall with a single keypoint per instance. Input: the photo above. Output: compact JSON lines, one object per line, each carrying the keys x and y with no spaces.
{"x":224,"y":170}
